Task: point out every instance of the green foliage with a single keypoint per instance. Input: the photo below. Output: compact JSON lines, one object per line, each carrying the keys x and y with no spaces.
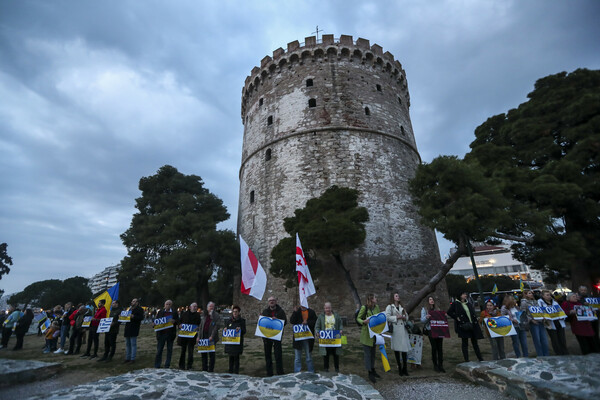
{"x":5,"y":261}
{"x":329,"y":226}
{"x":49,"y":293}
{"x":532,"y":177}
{"x":173,"y":244}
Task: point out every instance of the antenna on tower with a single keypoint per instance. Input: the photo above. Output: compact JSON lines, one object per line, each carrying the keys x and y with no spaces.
{"x":317,"y":32}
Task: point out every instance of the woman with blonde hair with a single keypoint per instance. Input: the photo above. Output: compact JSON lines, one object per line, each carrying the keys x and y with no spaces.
{"x":555,"y":328}
{"x":364,"y":314}
{"x":519,"y":341}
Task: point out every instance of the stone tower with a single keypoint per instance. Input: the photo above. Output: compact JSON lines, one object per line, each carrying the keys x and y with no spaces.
{"x":323,"y":113}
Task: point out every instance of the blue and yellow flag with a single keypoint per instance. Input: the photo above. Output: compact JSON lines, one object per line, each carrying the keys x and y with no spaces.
{"x":521,"y":285}
{"x":109,"y":296}
{"x":384,"y":358}
{"x":495,"y":289}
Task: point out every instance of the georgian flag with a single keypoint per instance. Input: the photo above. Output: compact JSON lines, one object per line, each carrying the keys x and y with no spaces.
{"x":305,"y":282}
{"x":254,"y":278}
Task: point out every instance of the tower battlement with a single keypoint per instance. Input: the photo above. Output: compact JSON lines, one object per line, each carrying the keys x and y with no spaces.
{"x":313,"y":50}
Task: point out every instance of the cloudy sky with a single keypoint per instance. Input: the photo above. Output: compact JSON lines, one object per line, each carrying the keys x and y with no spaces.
{"x":95,"y":95}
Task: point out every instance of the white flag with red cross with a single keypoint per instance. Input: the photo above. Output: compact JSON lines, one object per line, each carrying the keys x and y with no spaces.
{"x":306,"y":286}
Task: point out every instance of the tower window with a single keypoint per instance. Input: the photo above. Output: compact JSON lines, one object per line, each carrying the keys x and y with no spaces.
{"x":367,"y":111}
{"x":252,"y":197}
{"x":270,"y":120}
{"x":309,"y":82}
{"x":312,"y":103}
{"x":399,"y":100}
{"x":268,"y":155}
{"x":260,"y":101}
{"x":378,"y":88}
{"x":402,"y":130}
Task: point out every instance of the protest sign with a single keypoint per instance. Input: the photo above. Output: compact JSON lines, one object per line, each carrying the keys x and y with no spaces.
{"x":45,"y":325}
{"x":585,"y":313}
{"x":537,"y":312}
{"x":104,"y":325}
{"x":554,"y":312}
{"x":330,"y":339}
{"x":499,"y":326}
{"x":415,"y":352}
{"x":125,"y":317}
{"x":438,"y":322}
{"x":231,"y":336}
{"x":86,"y":322}
{"x":205,"y":346}
{"x":594,"y":302}
{"x":377,"y":324}
{"x":163,"y":323}
{"x":302,"y":332}
{"x":270,"y":328}
{"x":187,"y":331}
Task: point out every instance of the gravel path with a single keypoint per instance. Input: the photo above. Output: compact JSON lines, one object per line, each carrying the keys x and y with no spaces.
{"x":438,"y":389}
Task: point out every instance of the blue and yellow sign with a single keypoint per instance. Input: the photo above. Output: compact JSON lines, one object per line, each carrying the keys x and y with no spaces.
{"x":187,"y":331}
{"x":302,"y":332}
{"x":377,"y":324}
{"x":270,"y":328}
{"x":163,"y":323}
{"x":499,"y":327}
{"x":86,"y":322}
{"x":330,"y":339}
{"x":205,"y":346}
{"x":125,"y":317}
{"x":231,"y":336}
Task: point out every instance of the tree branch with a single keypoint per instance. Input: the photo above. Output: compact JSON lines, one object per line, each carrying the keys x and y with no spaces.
{"x":514,"y":238}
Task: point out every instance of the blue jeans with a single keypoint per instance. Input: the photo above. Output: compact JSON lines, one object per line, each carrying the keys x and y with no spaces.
{"x":540,"y":340}
{"x":298,"y":358}
{"x":130,"y":348}
{"x":162,"y":339}
{"x":520,"y":339}
{"x":64,"y":334}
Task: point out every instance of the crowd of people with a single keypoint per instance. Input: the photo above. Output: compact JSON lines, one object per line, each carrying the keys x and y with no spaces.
{"x":70,"y":325}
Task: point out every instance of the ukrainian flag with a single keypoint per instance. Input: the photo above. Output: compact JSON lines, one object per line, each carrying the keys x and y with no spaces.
{"x":384,"y":358}
{"x":521,"y":285}
{"x":109,"y":296}
{"x":495,"y":289}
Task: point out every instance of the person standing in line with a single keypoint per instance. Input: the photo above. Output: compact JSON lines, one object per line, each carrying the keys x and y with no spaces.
{"x":554,"y":328}
{"x":497,"y":343}
{"x":583,"y":331}
{"x":209,"y":329}
{"x":437,"y":344}
{"x":93,"y":336}
{"x":329,"y":321}
{"x":536,"y":328}
{"x":9,"y":323}
{"x":110,"y":337}
{"x":273,"y":310}
{"x":307,"y":317}
{"x":77,"y":330}
{"x":364,"y":314}
{"x":583,"y":293}
{"x":166,"y":336}
{"x":132,"y":330}
{"x":519,"y":341}
{"x":22,"y":327}
{"x":189,"y":317}
{"x":65,"y":326}
{"x":396,"y":316}
{"x":233,"y":350}
{"x":465,"y":325}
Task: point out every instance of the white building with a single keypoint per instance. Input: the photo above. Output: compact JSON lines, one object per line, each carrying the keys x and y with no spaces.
{"x":105,"y":279}
{"x":494,"y":260}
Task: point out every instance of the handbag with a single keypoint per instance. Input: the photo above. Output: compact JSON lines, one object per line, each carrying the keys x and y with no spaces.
{"x":390,"y":327}
{"x":466,"y":326}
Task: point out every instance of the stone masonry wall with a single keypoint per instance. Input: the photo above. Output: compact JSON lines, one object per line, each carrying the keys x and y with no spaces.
{"x":349,"y":126}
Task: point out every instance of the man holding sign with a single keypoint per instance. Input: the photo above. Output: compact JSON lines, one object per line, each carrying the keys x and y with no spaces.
{"x":273,"y":311}
{"x":303,"y":320}
{"x":110,"y":337}
{"x":164,"y":326}
{"x":209,"y":329}
{"x":187,"y":336}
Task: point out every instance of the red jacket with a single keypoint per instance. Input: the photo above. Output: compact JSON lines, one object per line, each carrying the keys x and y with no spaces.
{"x":100,"y":313}
{"x":73,"y":317}
{"x":579,"y":328}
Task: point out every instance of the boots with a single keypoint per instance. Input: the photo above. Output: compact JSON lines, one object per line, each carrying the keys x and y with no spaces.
{"x":404,"y":363}
{"x":372,"y":376}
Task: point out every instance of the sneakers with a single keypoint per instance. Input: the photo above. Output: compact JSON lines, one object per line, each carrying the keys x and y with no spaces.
{"x":67,"y":352}
{"x":46,"y":351}
{"x":58,"y":351}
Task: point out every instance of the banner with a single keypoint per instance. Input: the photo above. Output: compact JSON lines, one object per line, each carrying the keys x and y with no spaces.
{"x":415,"y":352}
{"x":125,"y":317}
{"x":554,"y":312}
{"x":537,"y":312}
{"x":593,"y":302}
{"x":205,"y":346}
{"x":306,"y":286}
{"x":163,"y":323}
{"x":330,"y":339}
{"x":254,"y":278}
{"x":45,"y":325}
{"x":499,"y":326}
{"x":378,"y":324}
{"x":231,"y":336}
{"x":270,"y":328}
{"x":438,"y":322}
{"x":104,"y":325}
{"x":86,"y":322}
{"x":187,"y":331}
{"x":302,"y":332}
{"x":585,"y":313}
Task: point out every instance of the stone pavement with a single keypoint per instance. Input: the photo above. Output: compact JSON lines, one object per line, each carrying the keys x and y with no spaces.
{"x":552,"y":378}
{"x":13,"y":372}
{"x":171,"y":384}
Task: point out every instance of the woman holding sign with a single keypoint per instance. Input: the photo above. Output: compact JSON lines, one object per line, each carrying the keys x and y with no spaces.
{"x":396,"y":316}
{"x":329,"y":321}
{"x":367,"y":311}
{"x":536,"y":326}
{"x":235,"y":348}
{"x":511,"y":311}
{"x":582,"y":329}
{"x":556,"y":328}
{"x":497,"y":343}
{"x":436,"y":336}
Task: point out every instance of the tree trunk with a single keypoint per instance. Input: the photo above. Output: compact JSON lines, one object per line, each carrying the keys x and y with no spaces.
{"x":418,"y":296}
{"x":349,"y":281}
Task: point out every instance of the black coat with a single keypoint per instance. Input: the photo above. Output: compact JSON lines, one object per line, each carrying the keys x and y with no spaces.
{"x":132,"y":328}
{"x":277,"y":313}
{"x":296,"y":318}
{"x":457,"y":312}
{"x":171,"y":333}
{"x":234,"y":349}
{"x":188,"y":317}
